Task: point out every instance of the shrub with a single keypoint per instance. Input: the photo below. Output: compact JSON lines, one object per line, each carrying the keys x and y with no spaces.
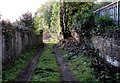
{"x":112,"y":27}
{"x":104,"y":21}
{"x":83,"y":22}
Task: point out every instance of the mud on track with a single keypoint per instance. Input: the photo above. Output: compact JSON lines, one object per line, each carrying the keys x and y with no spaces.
{"x":26,"y":74}
{"x":66,"y":74}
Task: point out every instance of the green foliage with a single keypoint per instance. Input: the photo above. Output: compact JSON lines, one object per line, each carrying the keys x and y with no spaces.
{"x":105,"y":73}
{"x":47,"y":18}
{"x":47,"y":68}
{"x":81,"y":68}
{"x":6,"y":23}
{"x":52,"y":40}
{"x":67,"y":12}
{"x":38,"y":24}
{"x":17,"y":67}
{"x":42,"y":18}
{"x":8,"y":31}
{"x":75,"y":7}
{"x":27,"y":20}
{"x":112,"y":27}
{"x":100,"y":5}
{"x":55,"y":20}
{"x":103,"y":22}
{"x":83,"y":21}
{"x":48,"y":14}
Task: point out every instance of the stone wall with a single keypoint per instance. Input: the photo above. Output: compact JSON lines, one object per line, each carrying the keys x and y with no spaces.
{"x":108,"y":45}
{"x":16,"y":41}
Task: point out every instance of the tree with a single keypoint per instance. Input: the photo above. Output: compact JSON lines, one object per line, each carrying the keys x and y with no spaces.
{"x":80,"y":15}
{"x":68,"y":10}
{"x":64,"y":21}
{"x":100,"y":5}
{"x":6,"y":24}
{"x":47,"y":18}
{"x":83,"y":22}
{"x":48,"y":14}
{"x":55,"y":20}
{"x":42,"y":18}
{"x":27,"y":20}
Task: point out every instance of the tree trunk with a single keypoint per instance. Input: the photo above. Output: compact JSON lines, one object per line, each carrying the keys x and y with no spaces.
{"x":64,"y":21}
{"x":49,"y":27}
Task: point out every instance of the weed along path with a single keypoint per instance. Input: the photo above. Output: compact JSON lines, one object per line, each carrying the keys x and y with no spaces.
{"x":66,"y":74}
{"x":26,"y":74}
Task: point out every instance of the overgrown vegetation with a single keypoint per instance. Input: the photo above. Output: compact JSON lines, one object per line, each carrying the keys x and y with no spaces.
{"x":105,"y":72}
{"x":67,"y":12}
{"x":47,"y":68}
{"x":47,"y":18}
{"x":52,"y":40}
{"x":81,"y":67}
{"x":83,"y":23}
{"x":89,"y":63}
{"x":17,"y":67}
{"x":56,"y":18}
{"x":80,"y":63}
{"x":104,"y":22}
{"x":18,"y":38}
{"x":8,"y":31}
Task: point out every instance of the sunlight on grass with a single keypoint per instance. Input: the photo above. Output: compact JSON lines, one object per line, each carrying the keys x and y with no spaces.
{"x":54,"y":41}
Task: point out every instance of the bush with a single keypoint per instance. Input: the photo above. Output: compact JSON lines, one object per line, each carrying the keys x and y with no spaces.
{"x":104,"y":21}
{"x":112,"y":27}
{"x":83,"y":21}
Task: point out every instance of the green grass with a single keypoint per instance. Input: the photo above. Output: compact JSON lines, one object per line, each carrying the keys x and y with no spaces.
{"x":47,"y":68}
{"x":19,"y":64}
{"x":80,"y":66}
{"x":51,"y":41}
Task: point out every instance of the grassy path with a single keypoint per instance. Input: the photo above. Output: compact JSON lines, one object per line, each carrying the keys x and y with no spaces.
{"x":47,"y":68}
{"x":25,"y":75}
{"x":17,"y":67}
{"x":66,"y":74}
{"x":53,"y":65}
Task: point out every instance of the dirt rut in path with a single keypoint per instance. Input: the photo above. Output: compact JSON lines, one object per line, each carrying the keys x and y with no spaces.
{"x":66,"y":74}
{"x":26,"y":74}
